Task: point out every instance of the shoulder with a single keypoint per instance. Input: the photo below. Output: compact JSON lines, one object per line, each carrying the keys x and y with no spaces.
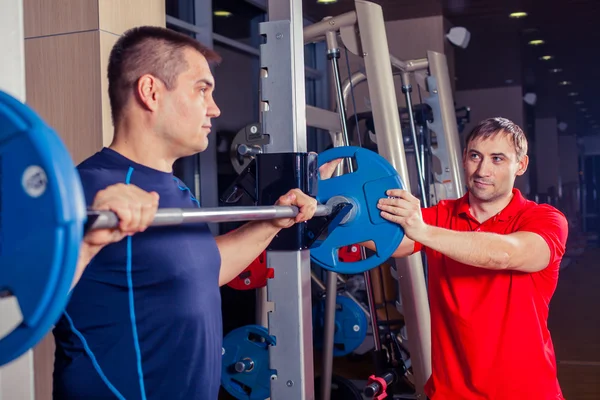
{"x":545,"y":220}
{"x":97,"y":172}
{"x":540,"y":213}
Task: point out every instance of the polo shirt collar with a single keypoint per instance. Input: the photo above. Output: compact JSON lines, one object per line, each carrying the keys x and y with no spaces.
{"x":515,"y":205}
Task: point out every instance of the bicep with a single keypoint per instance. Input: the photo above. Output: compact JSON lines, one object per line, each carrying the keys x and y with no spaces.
{"x":531,"y":254}
{"x":540,"y":240}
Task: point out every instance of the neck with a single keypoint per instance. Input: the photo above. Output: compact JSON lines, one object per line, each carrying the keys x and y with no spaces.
{"x":142,"y":145}
{"x":483,"y":210}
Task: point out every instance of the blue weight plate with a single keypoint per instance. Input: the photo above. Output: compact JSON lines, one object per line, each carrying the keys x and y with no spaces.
{"x":350,"y":326}
{"x":373,"y":176}
{"x":244,"y":344}
{"x":42,"y":213}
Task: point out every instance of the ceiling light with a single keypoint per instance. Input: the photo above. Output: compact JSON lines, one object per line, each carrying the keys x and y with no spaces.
{"x":587,"y":116}
{"x":519,"y":14}
{"x":595,"y":126}
{"x":222,"y":13}
{"x":573,"y":94}
{"x":536,"y":42}
{"x":583,"y":109}
{"x":564,"y":83}
{"x":546,"y":58}
{"x":326,"y":1}
{"x":555,"y":70}
{"x":579,"y":102}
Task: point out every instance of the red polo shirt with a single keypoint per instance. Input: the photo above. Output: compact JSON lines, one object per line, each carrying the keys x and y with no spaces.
{"x":489,"y":328}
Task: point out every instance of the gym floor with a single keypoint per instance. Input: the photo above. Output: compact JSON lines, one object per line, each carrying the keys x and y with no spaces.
{"x":574,"y":323}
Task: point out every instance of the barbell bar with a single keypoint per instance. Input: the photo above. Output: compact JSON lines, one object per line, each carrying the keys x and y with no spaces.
{"x":179,"y":216}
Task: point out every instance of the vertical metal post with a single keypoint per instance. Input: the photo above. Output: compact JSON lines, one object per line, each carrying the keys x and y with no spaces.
{"x":322,"y":90}
{"x":438,"y":68}
{"x":332,"y":45}
{"x":284,"y":119}
{"x":16,"y":378}
{"x":375,"y":52}
{"x":333,"y":55}
{"x":262,"y":312}
{"x":328,"y":335}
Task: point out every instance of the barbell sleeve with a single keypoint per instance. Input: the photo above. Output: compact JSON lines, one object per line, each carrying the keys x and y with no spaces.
{"x":179,"y":216}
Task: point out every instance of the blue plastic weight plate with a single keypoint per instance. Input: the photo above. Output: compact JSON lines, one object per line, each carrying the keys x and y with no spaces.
{"x":372,"y":177}
{"x":248,"y":348}
{"x":350,"y":326}
{"x":42,"y":214}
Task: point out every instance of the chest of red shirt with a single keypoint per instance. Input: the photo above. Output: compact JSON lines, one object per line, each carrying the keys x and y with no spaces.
{"x":470,"y":292}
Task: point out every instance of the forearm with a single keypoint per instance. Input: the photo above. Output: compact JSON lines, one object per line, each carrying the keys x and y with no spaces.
{"x":478,"y":249}
{"x":86,"y":254}
{"x":240,"y":247}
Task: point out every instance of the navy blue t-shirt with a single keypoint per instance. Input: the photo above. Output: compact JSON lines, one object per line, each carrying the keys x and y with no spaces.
{"x":144,"y":321}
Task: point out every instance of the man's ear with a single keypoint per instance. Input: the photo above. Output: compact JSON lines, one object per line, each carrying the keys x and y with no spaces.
{"x":523,"y":164}
{"x":147,"y":91}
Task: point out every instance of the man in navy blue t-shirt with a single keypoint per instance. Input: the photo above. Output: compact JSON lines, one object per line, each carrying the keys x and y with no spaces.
{"x":144,"y":318}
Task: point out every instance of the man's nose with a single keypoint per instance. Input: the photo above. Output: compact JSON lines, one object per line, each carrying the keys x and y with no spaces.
{"x":485,"y":168}
{"x":213,"y":110}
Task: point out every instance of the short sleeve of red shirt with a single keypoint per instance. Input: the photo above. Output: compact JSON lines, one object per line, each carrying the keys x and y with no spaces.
{"x":430,"y":216}
{"x":550,"y":224}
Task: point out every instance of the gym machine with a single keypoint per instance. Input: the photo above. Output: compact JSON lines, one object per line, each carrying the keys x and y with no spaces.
{"x":289,"y":293}
{"x":431,"y":129}
{"x":432,"y":75}
{"x":371,"y":45}
{"x":249,"y":143}
{"x":437,"y":115}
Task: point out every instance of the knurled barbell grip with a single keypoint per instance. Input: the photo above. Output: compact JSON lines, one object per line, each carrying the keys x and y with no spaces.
{"x":179,"y":216}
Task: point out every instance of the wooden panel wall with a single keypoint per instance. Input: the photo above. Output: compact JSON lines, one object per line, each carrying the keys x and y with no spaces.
{"x":116,"y":16}
{"x":63,"y":86}
{"x":45,"y":18}
{"x":107,"y":41}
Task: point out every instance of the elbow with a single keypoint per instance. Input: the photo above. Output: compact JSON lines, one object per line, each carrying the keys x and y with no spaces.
{"x":501,"y":261}
{"x":507,"y":258}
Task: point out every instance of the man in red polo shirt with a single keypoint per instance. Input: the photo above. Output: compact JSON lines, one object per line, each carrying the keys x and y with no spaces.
{"x":493,"y":260}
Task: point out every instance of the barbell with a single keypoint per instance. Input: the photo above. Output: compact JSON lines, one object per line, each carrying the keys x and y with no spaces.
{"x":43,"y":219}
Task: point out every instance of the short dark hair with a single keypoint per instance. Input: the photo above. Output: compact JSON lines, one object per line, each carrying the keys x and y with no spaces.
{"x":497,"y":125}
{"x":148,"y":50}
